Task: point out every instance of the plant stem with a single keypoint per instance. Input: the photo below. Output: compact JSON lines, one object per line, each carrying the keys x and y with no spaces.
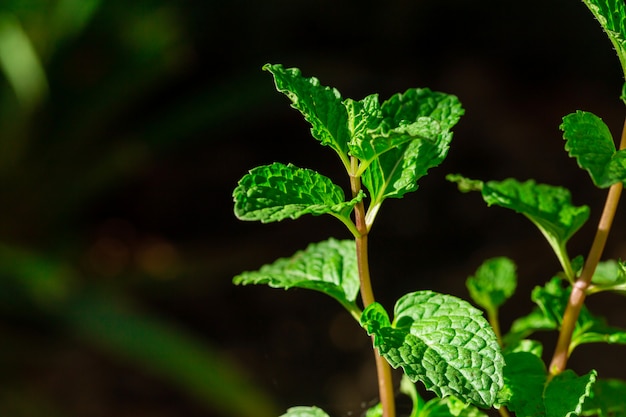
{"x":383,"y":369}
{"x":494,"y":321}
{"x":579,"y":289}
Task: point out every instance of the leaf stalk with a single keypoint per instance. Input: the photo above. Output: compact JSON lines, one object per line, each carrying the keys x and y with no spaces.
{"x":579,"y":289}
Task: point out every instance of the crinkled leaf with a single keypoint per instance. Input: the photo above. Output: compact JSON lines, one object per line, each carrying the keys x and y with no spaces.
{"x":276,"y":192}
{"x":303,"y":411}
{"x":442,"y":341}
{"x":363,"y":116}
{"x":612,"y":17}
{"x":413,"y":136}
{"x":493,"y":283}
{"x":565,"y":394}
{"x":415,"y":114}
{"x":589,"y":140}
{"x":608,"y":398}
{"x":524,"y":380}
{"x":321,"y":106}
{"x":548,"y":207}
{"x":329,"y":266}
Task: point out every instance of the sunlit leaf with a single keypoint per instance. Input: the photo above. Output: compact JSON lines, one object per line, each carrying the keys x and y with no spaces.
{"x":329,"y":267}
{"x":609,"y":275}
{"x":413,"y":136}
{"x":304,"y":412}
{"x":493,"y":283}
{"x":612,"y":17}
{"x":589,"y":140}
{"x":442,"y":341}
{"x":549,"y":207}
{"x":276,"y":192}
{"x":321,"y":106}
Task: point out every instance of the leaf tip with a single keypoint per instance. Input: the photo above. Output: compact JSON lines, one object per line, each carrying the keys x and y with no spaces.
{"x":464,"y":184}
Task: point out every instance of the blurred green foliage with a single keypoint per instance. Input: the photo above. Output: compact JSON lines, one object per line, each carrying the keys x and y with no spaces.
{"x":70,"y":71}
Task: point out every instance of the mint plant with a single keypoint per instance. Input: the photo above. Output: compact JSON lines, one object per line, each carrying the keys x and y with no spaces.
{"x":439,"y":340}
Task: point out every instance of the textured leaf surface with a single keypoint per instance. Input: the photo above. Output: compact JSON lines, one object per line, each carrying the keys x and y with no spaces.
{"x":329,"y":267}
{"x":549,"y":207}
{"x":494,"y":283}
{"x":608,"y":398}
{"x":612,"y":17}
{"x":303,"y":411}
{"x":442,"y":341}
{"x":413,"y":136}
{"x":565,"y":394}
{"x":321,"y":106}
{"x":589,"y":140}
{"x":276,"y":192}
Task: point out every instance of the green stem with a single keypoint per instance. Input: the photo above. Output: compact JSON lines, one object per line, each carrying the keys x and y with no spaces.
{"x":385,"y":381}
{"x":579,"y":289}
{"x":494,"y":321}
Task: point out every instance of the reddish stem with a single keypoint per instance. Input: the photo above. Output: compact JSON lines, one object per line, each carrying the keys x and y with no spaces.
{"x":385,"y":381}
{"x":579,"y":289}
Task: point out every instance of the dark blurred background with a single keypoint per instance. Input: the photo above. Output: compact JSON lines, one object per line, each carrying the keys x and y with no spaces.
{"x":124,"y":127}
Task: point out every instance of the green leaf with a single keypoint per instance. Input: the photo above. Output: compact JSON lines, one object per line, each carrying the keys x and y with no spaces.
{"x":375,"y":411}
{"x":592,"y":329}
{"x":565,"y":394}
{"x":526,"y":345}
{"x":612,"y":17}
{"x":589,"y":140}
{"x":608,"y":398}
{"x":527,"y":394}
{"x":465,"y":185}
{"x":442,"y":341}
{"x":276,"y":192}
{"x":450,"y":406}
{"x":329,"y":267}
{"x":524,"y":326}
{"x":548,"y":207}
{"x":413,"y":136}
{"x":524,"y":380}
{"x":552,"y":300}
{"x":494,"y":283}
{"x":321,"y":106}
{"x":609,"y":276}
{"x":416,"y":114}
{"x":303,"y":411}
